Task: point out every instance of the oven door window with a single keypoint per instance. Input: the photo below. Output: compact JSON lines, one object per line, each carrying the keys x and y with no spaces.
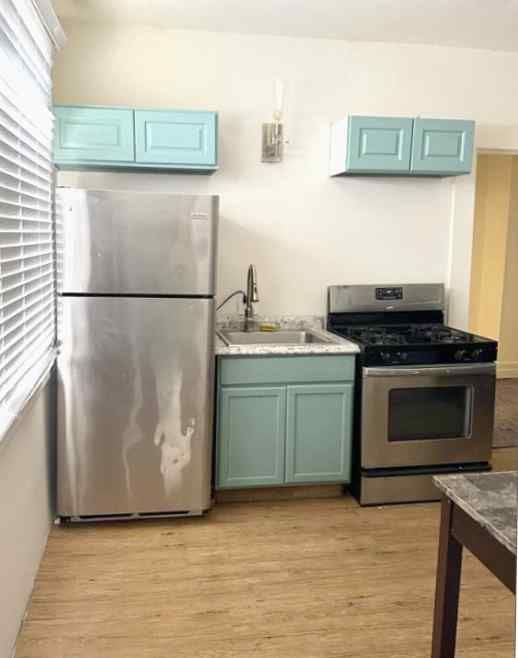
{"x":417,"y":414}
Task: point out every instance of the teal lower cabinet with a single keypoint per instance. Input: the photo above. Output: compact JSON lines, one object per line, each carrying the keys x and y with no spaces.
{"x":318,"y":433}
{"x":284,"y":420}
{"x":251,"y":424}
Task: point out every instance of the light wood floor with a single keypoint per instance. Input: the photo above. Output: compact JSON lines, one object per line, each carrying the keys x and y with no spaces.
{"x":296,"y":578}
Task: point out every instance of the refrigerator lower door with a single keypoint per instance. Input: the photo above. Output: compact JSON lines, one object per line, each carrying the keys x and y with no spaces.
{"x":135,"y":406}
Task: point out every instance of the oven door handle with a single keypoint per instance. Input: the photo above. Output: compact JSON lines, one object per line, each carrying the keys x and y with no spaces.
{"x":432,"y":371}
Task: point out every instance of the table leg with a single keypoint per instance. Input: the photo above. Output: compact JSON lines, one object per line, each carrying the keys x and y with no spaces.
{"x":447,"y":587}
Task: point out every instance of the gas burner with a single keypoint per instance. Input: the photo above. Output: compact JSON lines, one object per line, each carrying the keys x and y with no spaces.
{"x":416,"y":343}
{"x":436,"y":334}
{"x":405,"y":335}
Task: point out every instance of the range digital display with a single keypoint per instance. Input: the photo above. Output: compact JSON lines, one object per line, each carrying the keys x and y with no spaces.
{"x":389,"y":294}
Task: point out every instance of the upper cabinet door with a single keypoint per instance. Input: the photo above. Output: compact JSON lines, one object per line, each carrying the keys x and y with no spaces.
{"x":442,"y":146}
{"x":93,"y":134}
{"x":178,"y":138}
{"x":378,"y":144}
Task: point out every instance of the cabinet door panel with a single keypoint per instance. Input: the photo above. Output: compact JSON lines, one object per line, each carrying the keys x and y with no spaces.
{"x":318,"y":433}
{"x":93,"y":134}
{"x":179,"y":138}
{"x":251,"y":436}
{"x":379,"y":144}
{"x":442,"y":146}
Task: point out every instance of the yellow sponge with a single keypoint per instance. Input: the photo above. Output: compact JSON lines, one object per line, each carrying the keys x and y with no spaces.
{"x":268,"y":326}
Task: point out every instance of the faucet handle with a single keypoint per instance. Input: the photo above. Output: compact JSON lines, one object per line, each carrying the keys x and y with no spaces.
{"x":251,"y":289}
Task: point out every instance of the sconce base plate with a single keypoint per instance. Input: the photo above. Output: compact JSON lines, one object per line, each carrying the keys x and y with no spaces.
{"x":273,"y":142}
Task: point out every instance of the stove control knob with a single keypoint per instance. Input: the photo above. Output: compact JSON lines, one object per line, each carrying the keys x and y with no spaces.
{"x":403,"y":356}
{"x":461,"y":355}
{"x":386,"y":357}
{"x":476,"y":354}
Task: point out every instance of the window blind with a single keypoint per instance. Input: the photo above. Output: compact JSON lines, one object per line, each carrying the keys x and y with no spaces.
{"x":27,"y":286}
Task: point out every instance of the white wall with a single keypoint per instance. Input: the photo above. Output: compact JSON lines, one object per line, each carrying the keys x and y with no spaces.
{"x":26,"y":476}
{"x":302,"y":229}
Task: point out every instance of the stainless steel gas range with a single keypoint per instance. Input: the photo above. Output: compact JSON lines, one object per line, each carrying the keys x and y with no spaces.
{"x":425,"y":393}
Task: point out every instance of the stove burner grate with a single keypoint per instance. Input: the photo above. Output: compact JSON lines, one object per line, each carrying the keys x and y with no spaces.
{"x":405,"y":335}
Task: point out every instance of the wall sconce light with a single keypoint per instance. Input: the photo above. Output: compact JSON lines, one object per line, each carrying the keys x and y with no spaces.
{"x":273,"y":134}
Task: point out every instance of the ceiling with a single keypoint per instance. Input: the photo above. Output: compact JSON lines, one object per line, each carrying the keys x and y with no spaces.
{"x":488,"y":24}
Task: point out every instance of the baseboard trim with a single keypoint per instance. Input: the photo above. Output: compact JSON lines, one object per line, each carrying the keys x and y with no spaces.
{"x":262,"y":494}
{"x":506,"y":369}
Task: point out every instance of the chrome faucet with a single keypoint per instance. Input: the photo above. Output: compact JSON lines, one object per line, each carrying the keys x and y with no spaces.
{"x":252,"y":295}
{"x":249,"y":297}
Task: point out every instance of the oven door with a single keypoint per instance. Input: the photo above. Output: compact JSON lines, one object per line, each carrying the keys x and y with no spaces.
{"x":430,"y":415}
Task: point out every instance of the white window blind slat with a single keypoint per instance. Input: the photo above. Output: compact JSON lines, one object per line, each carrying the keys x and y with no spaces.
{"x":20,"y":356}
{"x":13,"y":178}
{"x":14,"y":163}
{"x":39,"y":345}
{"x":27,"y":251}
{"x":21,"y":39}
{"x":36,"y":243}
{"x":15,"y":259}
{"x":21,"y":308}
{"x":24,"y":218}
{"x":22,"y":203}
{"x":18,"y":148}
{"x":30,"y":336}
{"x":26,"y":281}
{"x":16,"y":132}
{"x":25,"y":191}
{"x":35,"y":318}
{"x":20,"y":126}
{"x":31,"y":324}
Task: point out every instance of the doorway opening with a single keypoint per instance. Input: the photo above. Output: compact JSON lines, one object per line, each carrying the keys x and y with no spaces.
{"x":494,"y":280}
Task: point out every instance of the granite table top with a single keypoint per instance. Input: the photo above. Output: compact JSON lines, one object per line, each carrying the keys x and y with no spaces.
{"x":314,"y":323}
{"x":489,"y":498}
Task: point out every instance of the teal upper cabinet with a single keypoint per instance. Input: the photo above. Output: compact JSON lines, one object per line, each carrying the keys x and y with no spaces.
{"x":113,"y":138}
{"x":371,"y":145}
{"x":93,"y":134}
{"x":378,"y":144}
{"x":401,"y":146}
{"x":442,"y":146}
{"x":179,"y":138}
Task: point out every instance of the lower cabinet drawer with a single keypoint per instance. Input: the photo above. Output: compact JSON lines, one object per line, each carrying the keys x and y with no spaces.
{"x":286,"y":369}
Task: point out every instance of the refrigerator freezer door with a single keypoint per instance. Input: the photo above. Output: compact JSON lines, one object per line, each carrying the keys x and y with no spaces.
{"x":135,"y":401}
{"x":132,"y":243}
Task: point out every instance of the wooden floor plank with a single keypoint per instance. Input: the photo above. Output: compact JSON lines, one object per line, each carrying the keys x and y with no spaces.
{"x":295,"y":578}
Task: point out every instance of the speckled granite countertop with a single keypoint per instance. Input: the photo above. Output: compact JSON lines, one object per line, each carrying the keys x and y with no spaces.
{"x":489,"y":498}
{"x":286,"y":322}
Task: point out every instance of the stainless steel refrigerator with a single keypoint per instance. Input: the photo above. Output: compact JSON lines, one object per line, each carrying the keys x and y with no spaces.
{"x":136,"y":282}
